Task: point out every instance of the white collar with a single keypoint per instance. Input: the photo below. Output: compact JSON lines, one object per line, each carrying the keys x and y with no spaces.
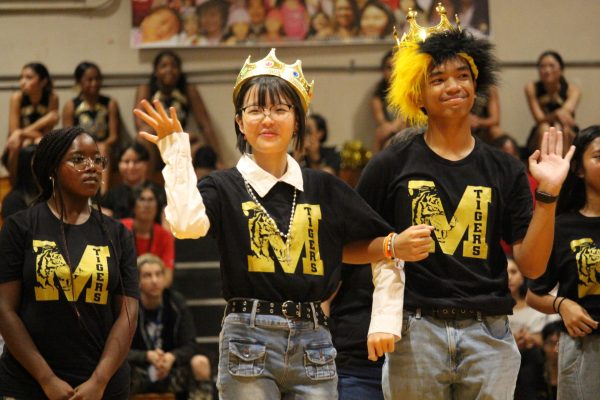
{"x":262,"y":181}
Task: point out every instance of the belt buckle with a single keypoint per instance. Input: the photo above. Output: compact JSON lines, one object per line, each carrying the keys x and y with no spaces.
{"x":284,"y":308}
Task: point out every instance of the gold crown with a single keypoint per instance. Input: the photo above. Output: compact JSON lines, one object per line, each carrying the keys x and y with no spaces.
{"x":270,"y":65}
{"x":417,"y":34}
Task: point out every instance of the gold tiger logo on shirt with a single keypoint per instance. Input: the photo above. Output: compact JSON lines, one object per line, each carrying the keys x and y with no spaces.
{"x":54,"y":276}
{"x":470,"y":216}
{"x":587,"y":255}
{"x":264,"y":241}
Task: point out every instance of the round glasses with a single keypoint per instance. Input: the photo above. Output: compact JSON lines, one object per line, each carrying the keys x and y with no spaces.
{"x":277,"y":112}
{"x":81,"y":163}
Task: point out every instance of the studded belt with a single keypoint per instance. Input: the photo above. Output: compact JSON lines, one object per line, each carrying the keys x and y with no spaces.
{"x":308,"y":311}
{"x":449,"y":312}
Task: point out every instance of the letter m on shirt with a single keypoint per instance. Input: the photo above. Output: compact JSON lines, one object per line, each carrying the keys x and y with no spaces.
{"x":470,"y":218}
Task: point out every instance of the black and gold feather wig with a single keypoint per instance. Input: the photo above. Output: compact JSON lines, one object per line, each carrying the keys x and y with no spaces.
{"x":413,"y":61}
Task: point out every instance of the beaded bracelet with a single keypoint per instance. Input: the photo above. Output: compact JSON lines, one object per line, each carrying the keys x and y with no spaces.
{"x":393,"y":247}
{"x":387,"y":248}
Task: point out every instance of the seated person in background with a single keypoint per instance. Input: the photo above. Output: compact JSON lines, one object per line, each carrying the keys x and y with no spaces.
{"x":205,"y":161}
{"x":24,"y":189}
{"x":314,"y":154}
{"x":507,"y":144}
{"x":163,"y":355}
{"x":168,"y":84}
{"x":485,"y":116}
{"x":133,"y":165}
{"x":33,"y":112}
{"x":526,"y":325}
{"x":147,"y":204}
{"x":552,"y":100}
{"x":94,"y":112}
{"x":385,"y":118}
{"x":550,"y":336}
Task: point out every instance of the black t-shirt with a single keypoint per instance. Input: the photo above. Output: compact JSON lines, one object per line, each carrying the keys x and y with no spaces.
{"x":350,"y":319}
{"x":473,"y":203}
{"x":575,"y":262}
{"x":32,"y":251}
{"x":254,"y":262}
{"x":13,"y":202}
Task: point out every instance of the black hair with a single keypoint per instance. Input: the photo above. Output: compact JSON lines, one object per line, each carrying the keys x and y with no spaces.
{"x":181,"y":82}
{"x":321,"y":124}
{"x":42,"y":72}
{"x":355,"y":12}
{"x":446,"y":46}
{"x":551,"y":328}
{"x":140,"y":150}
{"x":84,"y":66}
{"x":277,"y":90}
{"x":572,"y":195}
{"x":136,"y":193}
{"x":381,"y":90}
{"x":552,"y":54}
{"x":387,"y":56}
{"x":48,"y":156}
{"x":389,"y":26}
{"x":25,"y":181}
{"x":205,"y":157}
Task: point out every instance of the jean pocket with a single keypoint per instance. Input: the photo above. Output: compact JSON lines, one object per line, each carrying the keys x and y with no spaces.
{"x":497,"y":327}
{"x":246,"y":358}
{"x":319,"y":362}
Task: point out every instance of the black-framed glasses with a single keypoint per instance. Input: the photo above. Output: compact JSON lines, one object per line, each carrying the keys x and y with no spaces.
{"x":276,"y":111}
{"x":81,"y":163}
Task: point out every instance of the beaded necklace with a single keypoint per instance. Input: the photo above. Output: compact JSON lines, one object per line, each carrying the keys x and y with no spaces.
{"x":287,"y":237}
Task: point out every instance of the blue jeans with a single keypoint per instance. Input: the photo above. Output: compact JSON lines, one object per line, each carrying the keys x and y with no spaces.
{"x":271,"y":357}
{"x":452,"y":359}
{"x":578,"y":366}
{"x":352,"y":387}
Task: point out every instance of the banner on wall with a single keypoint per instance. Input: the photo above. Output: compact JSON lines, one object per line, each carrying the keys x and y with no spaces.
{"x":202,"y":23}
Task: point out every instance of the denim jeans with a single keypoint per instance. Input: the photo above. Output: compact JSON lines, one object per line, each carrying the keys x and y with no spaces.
{"x":452,"y":359}
{"x":352,"y":387}
{"x":271,"y":357}
{"x":578,"y":367}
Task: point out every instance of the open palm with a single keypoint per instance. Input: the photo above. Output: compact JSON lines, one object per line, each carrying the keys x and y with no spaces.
{"x":547,"y":165}
{"x":156,"y":117}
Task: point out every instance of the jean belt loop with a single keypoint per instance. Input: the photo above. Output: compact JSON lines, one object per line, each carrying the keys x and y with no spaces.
{"x":224,"y":315}
{"x":314,"y":315}
{"x":253,"y":313}
{"x":479,"y":316}
{"x":418,"y":313}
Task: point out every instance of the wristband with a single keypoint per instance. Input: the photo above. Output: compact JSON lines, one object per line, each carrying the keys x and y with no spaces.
{"x":559,"y":303}
{"x":544,"y":197}
{"x":554,"y":304}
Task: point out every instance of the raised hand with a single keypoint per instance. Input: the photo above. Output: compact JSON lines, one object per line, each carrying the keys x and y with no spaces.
{"x":413,"y":243}
{"x":156,"y":117}
{"x":547,"y":164}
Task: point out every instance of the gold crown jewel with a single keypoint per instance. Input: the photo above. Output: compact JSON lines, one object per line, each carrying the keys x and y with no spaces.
{"x":270,"y":65}
{"x":417,"y":34}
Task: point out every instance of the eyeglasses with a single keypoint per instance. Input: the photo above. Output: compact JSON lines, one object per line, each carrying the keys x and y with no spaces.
{"x":277,"y":112}
{"x":81,"y":163}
